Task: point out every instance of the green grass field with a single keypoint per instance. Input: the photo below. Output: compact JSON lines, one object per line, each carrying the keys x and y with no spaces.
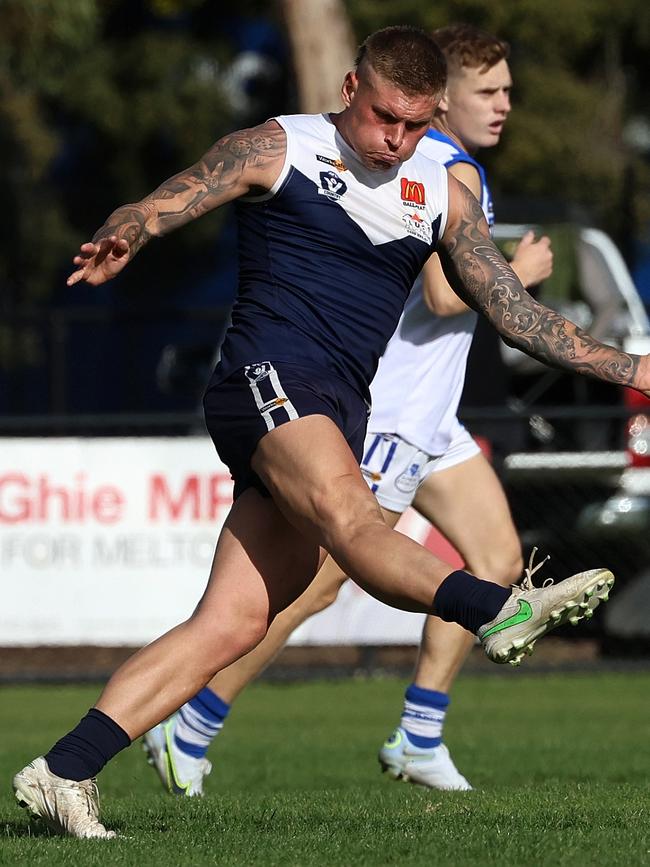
{"x":561,"y":766}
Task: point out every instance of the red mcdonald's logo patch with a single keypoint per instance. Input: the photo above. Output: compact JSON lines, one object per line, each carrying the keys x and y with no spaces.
{"x":412,"y":191}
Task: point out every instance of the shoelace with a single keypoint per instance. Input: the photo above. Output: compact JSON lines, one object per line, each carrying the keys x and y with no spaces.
{"x":86,"y":801}
{"x":92,"y":797}
{"x":529,"y":571}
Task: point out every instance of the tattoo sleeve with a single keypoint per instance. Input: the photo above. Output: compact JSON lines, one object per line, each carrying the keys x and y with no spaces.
{"x":234,"y":165}
{"x":482,"y":277}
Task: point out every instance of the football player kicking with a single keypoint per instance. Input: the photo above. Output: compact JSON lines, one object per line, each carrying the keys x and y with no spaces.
{"x":416,"y":453}
{"x":329,"y":251}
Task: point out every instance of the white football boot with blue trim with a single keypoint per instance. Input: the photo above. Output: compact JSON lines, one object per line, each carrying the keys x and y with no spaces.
{"x":431,"y":767}
{"x":179,"y":773}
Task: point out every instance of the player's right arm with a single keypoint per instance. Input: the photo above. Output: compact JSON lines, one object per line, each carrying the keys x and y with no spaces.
{"x":245,"y":162}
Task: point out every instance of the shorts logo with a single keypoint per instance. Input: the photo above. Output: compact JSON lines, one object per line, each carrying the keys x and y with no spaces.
{"x":417,"y":227}
{"x":332,"y":186}
{"x":258,"y":372}
{"x":408,"y":481}
{"x":412,"y":193}
{"x":338,"y":164}
{"x":269,"y":394}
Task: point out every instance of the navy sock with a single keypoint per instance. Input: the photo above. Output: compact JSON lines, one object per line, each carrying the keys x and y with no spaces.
{"x":464,"y":599}
{"x":84,"y":751}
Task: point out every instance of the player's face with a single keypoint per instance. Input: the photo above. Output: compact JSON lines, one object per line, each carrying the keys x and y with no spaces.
{"x":478,"y":104}
{"x":381,"y":123}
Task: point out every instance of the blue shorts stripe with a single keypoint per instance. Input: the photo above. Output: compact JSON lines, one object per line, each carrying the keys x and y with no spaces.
{"x":389,"y":456}
{"x":372,"y":449}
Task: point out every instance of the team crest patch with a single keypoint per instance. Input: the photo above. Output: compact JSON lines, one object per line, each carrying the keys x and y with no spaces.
{"x":408,"y":480}
{"x":332,"y":186}
{"x":338,"y":164}
{"x":417,"y":227}
{"x":258,"y":372}
{"x":412,"y":193}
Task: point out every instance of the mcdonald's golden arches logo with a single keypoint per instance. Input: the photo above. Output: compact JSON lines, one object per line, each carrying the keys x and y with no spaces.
{"x":412,"y":192}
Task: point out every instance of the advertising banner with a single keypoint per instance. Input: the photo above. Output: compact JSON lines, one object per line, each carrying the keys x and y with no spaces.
{"x":110,"y":542}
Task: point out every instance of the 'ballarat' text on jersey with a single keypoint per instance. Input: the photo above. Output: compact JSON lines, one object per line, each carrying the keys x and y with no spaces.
{"x":329,"y":255}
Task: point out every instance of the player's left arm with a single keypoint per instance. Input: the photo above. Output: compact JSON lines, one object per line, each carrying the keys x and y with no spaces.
{"x":483,"y":278}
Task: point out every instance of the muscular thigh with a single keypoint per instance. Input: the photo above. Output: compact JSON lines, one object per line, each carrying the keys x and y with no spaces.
{"x":324,"y":589}
{"x":314,"y":477}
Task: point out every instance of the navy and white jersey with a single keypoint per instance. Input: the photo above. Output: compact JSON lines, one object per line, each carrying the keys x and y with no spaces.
{"x":420,"y":379}
{"x":328,"y":256}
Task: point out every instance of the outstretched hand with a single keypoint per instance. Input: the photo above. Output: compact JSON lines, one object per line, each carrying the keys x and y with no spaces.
{"x":97,"y":263}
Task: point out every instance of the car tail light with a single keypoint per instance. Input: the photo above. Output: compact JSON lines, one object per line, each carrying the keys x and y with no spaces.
{"x":638,"y":440}
{"x":638,"y":429}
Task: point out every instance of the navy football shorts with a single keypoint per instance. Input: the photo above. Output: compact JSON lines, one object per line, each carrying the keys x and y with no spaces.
{"x":260,"y":397}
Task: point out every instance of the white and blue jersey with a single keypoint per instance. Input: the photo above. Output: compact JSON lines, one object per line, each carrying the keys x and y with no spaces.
{"x":328,"y":256}
{"x":445,"y":150}
{"x":418,"y":386}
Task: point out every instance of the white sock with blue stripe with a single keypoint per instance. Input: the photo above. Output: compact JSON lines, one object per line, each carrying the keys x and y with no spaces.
{"x":424,"y":715}
{"x":198,"y":722}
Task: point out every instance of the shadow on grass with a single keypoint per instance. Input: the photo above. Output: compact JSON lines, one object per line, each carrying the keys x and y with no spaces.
{"x":15,"y":829}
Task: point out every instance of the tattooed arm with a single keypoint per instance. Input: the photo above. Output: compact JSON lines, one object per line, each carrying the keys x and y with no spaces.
{"x":246,"y":161}
{"x":487,"y":283}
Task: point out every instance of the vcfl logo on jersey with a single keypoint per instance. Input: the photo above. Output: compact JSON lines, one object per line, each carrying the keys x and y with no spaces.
{"x":413,"y":194}
{"x":332,"y":186}
{"x":417,"y":227}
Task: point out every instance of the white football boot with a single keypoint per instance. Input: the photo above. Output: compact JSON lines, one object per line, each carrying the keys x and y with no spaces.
{"x":432,"y":767}
{"x":531,"y":611}
{"x":179,"y":773}
{"x":66,"y":806}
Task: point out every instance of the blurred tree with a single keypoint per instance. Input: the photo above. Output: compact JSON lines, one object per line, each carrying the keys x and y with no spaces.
{"x":98,"y":102}
{"x":319,"y":64}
